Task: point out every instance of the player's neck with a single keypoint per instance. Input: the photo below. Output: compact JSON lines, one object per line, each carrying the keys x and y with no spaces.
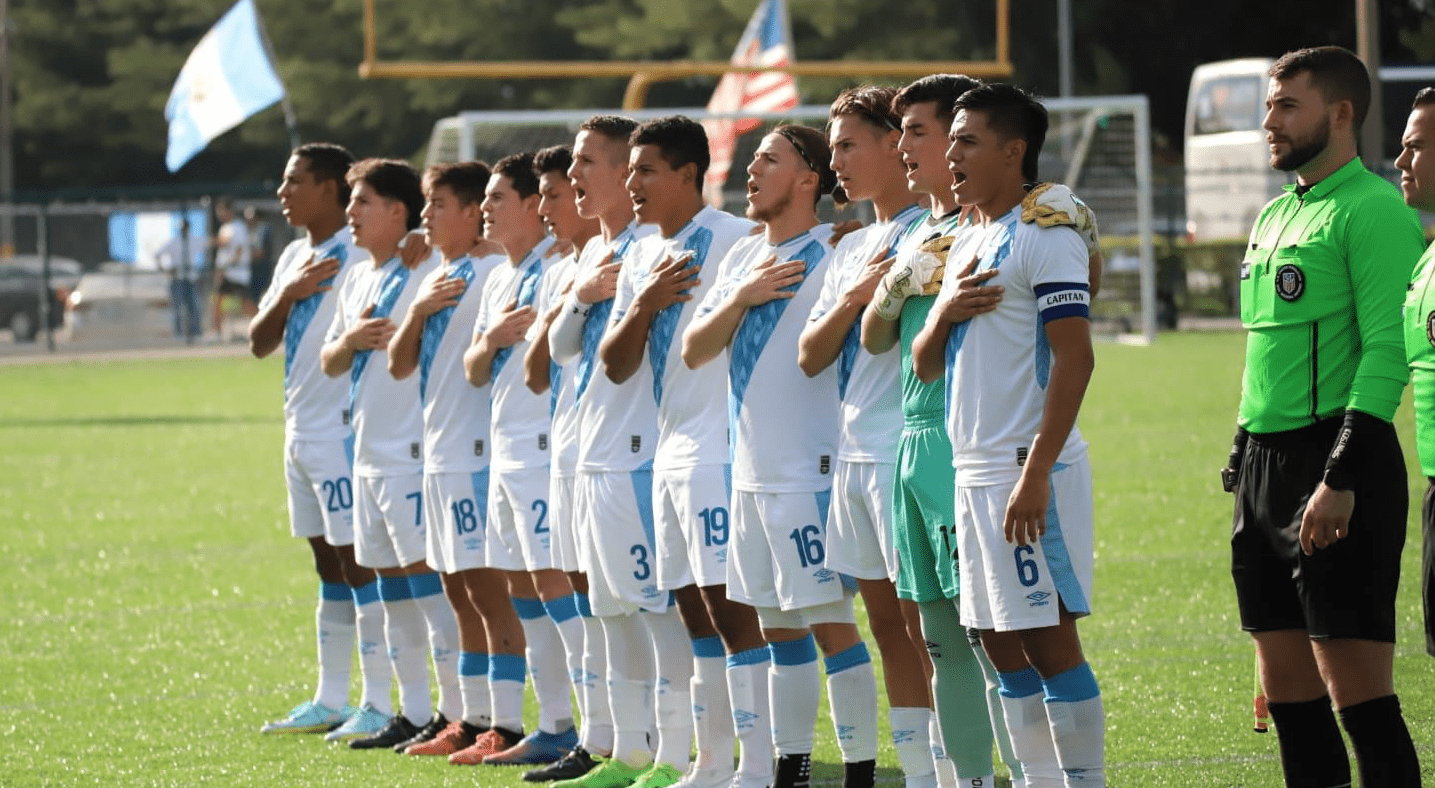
{"x":522,"y":243}
{"x":582,"y":237}
{"x":324,"y":229}
{"x":679,"y":219}
{"x":893,"y":198}
{"x":1008,"y":197}
{"x":454,"y":251}
{"x":615,"y":219}
{"x":943,"y":202}
{"x":384,"y":250}
{"x":1336,"y":155}
{"x":793,"y":222}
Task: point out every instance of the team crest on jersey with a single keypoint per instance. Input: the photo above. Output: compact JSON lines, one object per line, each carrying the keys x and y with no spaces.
{"x":636,"y":444}
{"x":1430,"y":328}
{"x":1290,"y":282}
{"x":415,"y":451}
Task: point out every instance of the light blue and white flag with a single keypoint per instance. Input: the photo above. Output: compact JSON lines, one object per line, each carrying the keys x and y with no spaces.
{"x":228,"y":77}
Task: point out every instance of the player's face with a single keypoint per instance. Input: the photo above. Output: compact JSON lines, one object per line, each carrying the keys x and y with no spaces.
{"x":862,"y":155}
{"x":923,"y":146}
{"x":600,"y":166}
{"x":654,"y":186}
{"x":978,"y":158}
{"x":302,"y":198}
{"x":504,"y":211}
{"x":1297,"y":122}
{"x":1417,"y":159}
{"x":375,"y":219}
{"x":557,"y":205}
{"x":448,"y":224}
{"x":772,"y":178}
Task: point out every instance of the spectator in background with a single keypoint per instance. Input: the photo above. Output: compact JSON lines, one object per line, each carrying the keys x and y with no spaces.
{"x":261,"y":261}
{"x":231,"y":263}
{"x":177,"y":257}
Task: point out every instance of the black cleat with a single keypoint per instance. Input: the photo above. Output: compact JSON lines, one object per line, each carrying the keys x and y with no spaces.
{"x":571,"y":766}
{"x":862,"y":774}
{"x":793,"y":771}
{"x":398,"y":730}
{"x":426,"y":733}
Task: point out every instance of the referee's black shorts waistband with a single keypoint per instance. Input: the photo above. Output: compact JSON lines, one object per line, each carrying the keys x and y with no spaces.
{"x":1321,"y":430}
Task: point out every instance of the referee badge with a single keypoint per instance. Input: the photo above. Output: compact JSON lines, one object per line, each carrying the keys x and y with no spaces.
{"x":1290,"y":282}
{"x":1430,"y":328}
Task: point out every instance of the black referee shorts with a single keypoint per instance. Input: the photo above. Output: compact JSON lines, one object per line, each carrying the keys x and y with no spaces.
{"x":1346,"y":590}
{"x":1427,"y":561}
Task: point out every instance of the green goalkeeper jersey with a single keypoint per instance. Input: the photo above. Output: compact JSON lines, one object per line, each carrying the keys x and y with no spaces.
{"x":1322,"y":283}
{"x":919,"y":399}
{"x":1420,"y":355}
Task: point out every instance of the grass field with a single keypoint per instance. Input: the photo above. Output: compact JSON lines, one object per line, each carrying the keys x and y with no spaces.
{"x":160,"y":612}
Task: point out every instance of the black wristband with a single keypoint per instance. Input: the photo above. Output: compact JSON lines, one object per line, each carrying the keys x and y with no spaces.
{"x":1231,"y":474}
{"x":1351,"y":446}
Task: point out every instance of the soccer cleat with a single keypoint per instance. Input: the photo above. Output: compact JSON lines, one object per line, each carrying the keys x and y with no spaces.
{"x":457,"y":736}
{"x":707,"y":778}
{"x":494,"y":740}
{"x":365,"y":722}
{"x":398,"y":729}
{"x":659,"y":775}
{"x":793,"y":771}
{"x":536,"y":748}
{"x":307,"y":717}
{"x":435,"y":726}
{"x":573,"y":765}
{"x":611,"y":773}
{"x":859,"y":774}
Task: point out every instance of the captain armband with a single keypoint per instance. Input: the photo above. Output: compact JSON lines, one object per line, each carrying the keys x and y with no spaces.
{"x":1056,"y":300}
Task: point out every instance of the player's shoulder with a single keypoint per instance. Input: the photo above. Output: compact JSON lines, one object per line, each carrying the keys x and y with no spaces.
{"x":721,"y":223}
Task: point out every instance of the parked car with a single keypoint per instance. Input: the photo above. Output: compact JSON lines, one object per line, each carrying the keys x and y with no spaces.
{"x":119,"y":304}
{"x":20,"y":301}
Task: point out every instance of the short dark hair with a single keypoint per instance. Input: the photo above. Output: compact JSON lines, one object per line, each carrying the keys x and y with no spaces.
{"x":466,"y":179}
{"x":555,"y":159}
{"x":615,"y":128}
{"x":680,"y":140}
{"x":1424,"y":98}
{"x":518,"y":169}
{"x":328,"y":162}
{"x":1012,"y":113}
{"x":1335,"y":71}
{"x":812,"y":147}
{"x":943,"y":89}
{"x":393,"y":179}
{"x":872,"y":103}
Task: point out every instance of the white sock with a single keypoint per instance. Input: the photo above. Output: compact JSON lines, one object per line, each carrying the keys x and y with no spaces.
{"x":597,"y":736}
{"x":473,"y":686}
{"x":794,"y":689}
{"x":712,"y":711}
{"x":546,"y":664}
{"x":673,"y":655}
{"x":563,"y":612}
{"x":911,"y":726}
{"x":747,"y":686}
{"x":442,"y":638}
{"x":852,"y":698}
{"x":943,"y":766}
{"x":1000,"y":734}
{"x":375,"y":671}
{"x":630,"y":687}
{"x":946,"y":772}
{"x":334,"y":626}
{"x":1026,"y":722}
{"x":404,"y":631}
{"x":506,"y":673}
{"x":1078,"y":725}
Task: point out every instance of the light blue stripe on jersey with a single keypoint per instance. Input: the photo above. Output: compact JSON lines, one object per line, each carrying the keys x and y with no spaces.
{"x":480,"y":495}
{"x":389,"y":292}
{"x":990,"y":257}
{"x":643,"y":489}
{"x":848,"y":357}
{"x":532,"y":272}
{"x":436,"y":325}
{"x":1058,"y":560}
{"x":756,"y":329}
{"x":302,"y":313}
{"x":665,"y":322}
{"x":594,"y":323}
{"x":555,"y":379}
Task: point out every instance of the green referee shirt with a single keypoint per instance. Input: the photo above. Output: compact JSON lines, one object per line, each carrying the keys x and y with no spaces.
{"x":1321,"y":287}
{"x":1420,"y":354}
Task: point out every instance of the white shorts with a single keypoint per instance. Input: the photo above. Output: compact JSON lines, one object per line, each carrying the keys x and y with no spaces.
{"x":319,"y":475}
{"x":621,"y":565}
{"x":519,"y":534}
{"x":1005,"y":587}
{"x":859,"y":535}
{"x":388,"y":520}
{"x":456,"y":514}
{"x":693,"y":525}
{"x":779,"y":551}
{"x":564,"y":525}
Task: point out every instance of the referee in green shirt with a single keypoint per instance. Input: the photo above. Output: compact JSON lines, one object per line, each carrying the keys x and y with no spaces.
{"x":1319,"y":478}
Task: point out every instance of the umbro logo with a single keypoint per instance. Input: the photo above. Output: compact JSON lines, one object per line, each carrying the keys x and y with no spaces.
{"x":844,"y":732}
{"x":825,"y":575}
{"x":1038,"y":598}
{"x":743,"y":718}
{"x":902,"y":737}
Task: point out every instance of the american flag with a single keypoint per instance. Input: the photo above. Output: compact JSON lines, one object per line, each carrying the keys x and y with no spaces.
{"x":767,"y":41}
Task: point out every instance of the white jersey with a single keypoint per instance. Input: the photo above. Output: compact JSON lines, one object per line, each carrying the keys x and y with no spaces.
{"x":784,"y":424}
{"x":520,"y":419}
{"x":617,"y":424}
{"x":387,"y":419}
{"x":998,"y":363}
{"x":232,"y":256}
{"x":560,"y":378}
{"x":869,"y":385}
{"x":692,"y":403}
{"x":316,"y":406}
{"x":456,"y":413}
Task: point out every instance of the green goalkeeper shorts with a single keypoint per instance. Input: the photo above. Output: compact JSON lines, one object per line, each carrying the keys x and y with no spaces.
{"x":923,"y":522}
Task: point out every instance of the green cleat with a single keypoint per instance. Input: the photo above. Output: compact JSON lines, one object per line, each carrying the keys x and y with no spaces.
{"x":611,"y":773}
{"x":660,"y":775}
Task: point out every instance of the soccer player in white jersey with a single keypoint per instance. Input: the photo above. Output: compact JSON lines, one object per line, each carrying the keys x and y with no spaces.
{"x":587,"y":660}
{"x":1023,"y":482}
{"x":518,"y":473}
{"x":659,"y":286}
{"x":295,"y":312}
{"x":863,"y":132}
{"x":784,"y":426}
{"x":431,"y":341}
{"x":388,"y":437}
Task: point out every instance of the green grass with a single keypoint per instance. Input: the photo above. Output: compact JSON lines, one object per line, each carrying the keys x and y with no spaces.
{"x":159,"y":612}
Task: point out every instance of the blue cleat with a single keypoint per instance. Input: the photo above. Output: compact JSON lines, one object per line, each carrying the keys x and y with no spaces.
{"x":307,"y":717}
{"x":537,"y":748}
{"x":365,"y":723}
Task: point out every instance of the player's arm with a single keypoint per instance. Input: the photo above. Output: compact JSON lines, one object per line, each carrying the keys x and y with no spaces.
{"x":366,"y":333}
{"x":538,"y":357}
{"x":266,"y":330}
{"x":599,"y":283}
{"x":671,"y":282}
{"x":438,"y":292}
{"x":710,"y":333}
{"x":879,"y":334}
{"x":822,"y":338}
{"x":508,"y":330}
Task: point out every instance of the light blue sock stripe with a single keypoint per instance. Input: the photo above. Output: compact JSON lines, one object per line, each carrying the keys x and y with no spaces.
{"x":584,"y":609}
{"x":1072,"y":686}
{"x":366,"y":593}
{"x":708,"y":648}
{"x":529,"y":608}
{"x":335,"y":592}
{"x":846,"y":660}
{"x":561,"y":609}
{"x":1021,"y":683}
{"x":507,"y":667}
{"x":794,"y":652}
{"x":395,"y":589}
{"x":753,"y":656}
{"x":426,"y":584}
{"x":472,"y":663}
